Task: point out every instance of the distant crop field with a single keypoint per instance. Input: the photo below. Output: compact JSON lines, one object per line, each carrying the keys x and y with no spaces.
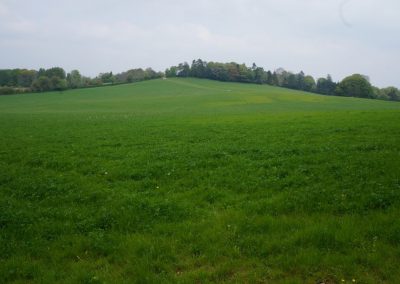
{"x":197,"y":181}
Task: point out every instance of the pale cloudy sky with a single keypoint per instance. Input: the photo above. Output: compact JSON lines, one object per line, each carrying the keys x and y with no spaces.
{"x":340,"y":37}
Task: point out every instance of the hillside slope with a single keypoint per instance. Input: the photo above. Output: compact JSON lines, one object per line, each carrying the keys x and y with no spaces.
{"x":186,"y":180}
{"x":185,"y":96}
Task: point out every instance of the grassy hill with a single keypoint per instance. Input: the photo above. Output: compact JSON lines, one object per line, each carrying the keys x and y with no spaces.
{"x":186,"y":180}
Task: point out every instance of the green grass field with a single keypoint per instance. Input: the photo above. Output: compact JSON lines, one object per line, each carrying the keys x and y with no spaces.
{"x":197,"y":181}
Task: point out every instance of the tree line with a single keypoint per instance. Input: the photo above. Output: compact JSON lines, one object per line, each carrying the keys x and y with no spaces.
{"x":356,"y":85}
{"x":14,"y":81}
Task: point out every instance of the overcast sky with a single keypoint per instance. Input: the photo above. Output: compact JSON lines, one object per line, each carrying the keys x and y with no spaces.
{"x":340,"y":37}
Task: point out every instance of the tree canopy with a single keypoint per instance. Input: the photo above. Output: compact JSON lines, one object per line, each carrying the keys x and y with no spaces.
{"x":14,"y":81}
{"x":355,"y":86}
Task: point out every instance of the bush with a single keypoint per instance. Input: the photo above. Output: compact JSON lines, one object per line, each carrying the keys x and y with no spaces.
{"x":7,"y":91}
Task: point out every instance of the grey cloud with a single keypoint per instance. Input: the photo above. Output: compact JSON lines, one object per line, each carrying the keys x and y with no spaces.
{"x":317,"y":36}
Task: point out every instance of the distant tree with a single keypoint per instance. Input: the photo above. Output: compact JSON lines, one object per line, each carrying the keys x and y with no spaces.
{"x":281,"y":75}
{"x":136,"y":75}
{"x":290,"y":80}
{"x":326,"y":86}
{"x":58,"y":84}
{"x":309,"y":84}
{"x":87,"y":82}
{"x":245,"y":73}
{"x":378,"y":94}
{"x":41,"y":72}
{"x":270,"y":80}
{"x":4,"y":77}
{"x":198,"y":69}
{"x":107,"y":78}
{"x":260,"y":76}
{"x":233,"y":72}
{"x":300,"y":84}
{"x":355,"y":86}
{"x":171,"y":72}
{"x":19,"y":80}
{"x":17,"y":77}
{"x":183,"y":70}
{"x":95,"y":82}
{"x":26,"y":77}
{"x":390,"y":93}
{"x":149,"y":74}
{"x":129,"y":78}
{"x":74,"y":79}
{"x":42,"y":84}
{"x":55,"y":72}
{"x":275,"y":79}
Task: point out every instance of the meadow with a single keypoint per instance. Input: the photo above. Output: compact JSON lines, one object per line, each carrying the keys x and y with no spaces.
{"x":198,"y":181}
